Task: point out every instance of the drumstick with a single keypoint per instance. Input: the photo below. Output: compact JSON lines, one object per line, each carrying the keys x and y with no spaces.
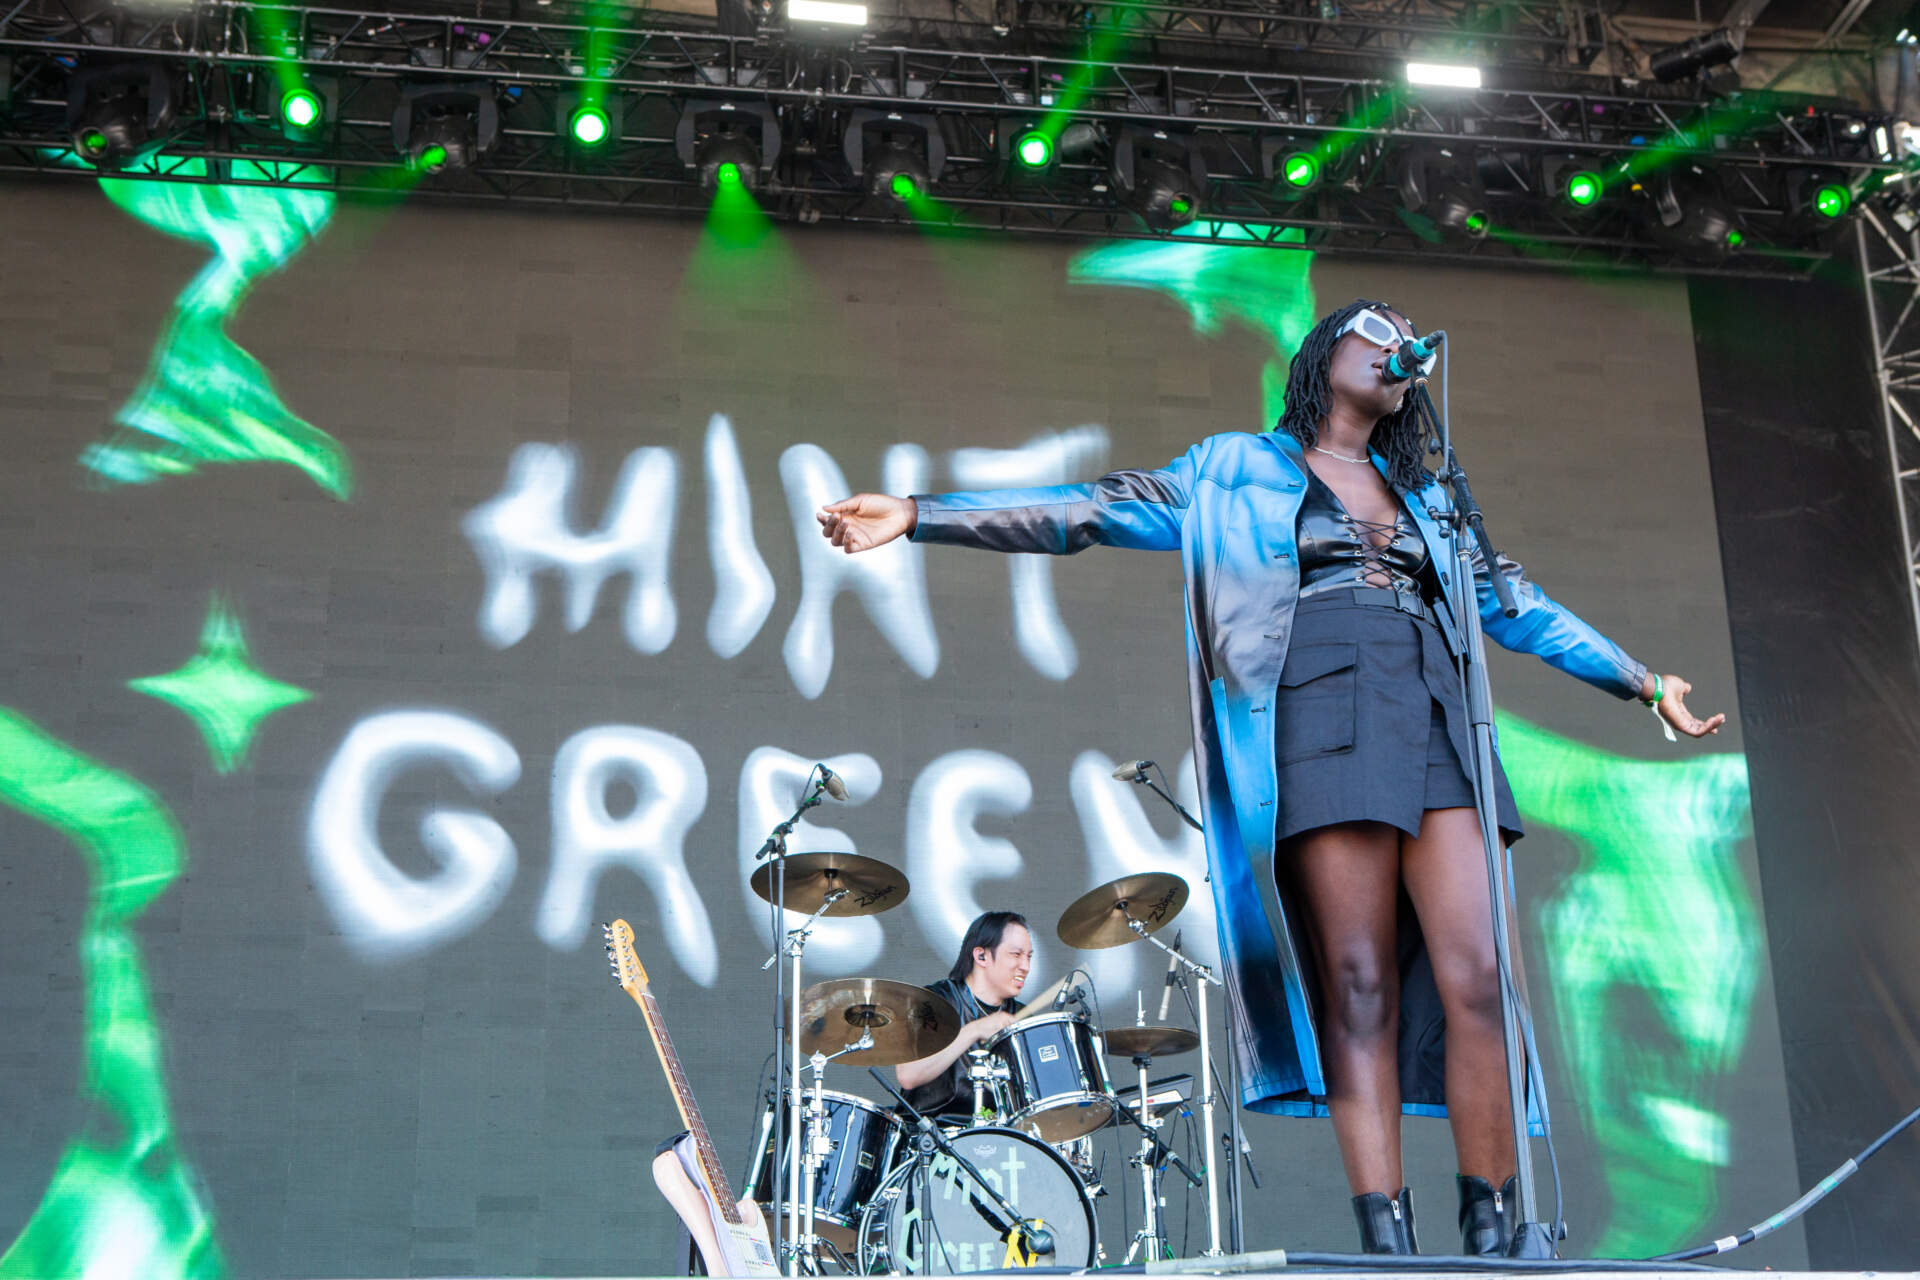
{"x":1041,"y":1002}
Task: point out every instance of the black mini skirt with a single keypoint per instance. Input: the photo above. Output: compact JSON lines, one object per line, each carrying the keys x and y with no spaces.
{"x":1369,"y":724}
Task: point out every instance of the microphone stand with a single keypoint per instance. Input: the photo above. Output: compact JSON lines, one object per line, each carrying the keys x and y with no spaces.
{"x":1235,"y":1137}
{"x":786,"y":1129}
{"x":1533,"y":1238}
{"x":928,"y":1139}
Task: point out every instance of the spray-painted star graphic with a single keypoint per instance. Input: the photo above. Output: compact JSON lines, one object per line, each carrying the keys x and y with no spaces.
{"x":221,"y":689}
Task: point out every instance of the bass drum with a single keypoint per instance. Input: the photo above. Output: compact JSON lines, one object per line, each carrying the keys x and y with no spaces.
{"x":1030,"y":1175}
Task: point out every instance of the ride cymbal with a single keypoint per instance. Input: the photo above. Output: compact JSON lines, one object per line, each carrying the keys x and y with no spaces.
{"x":872,"y":886}
{"x":1149,"y":1042}
{"x":907,"y":1022}
{"x":1099,"y":918}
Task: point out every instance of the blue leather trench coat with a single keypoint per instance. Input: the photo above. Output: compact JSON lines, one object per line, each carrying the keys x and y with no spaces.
{"x":1229,"y":507}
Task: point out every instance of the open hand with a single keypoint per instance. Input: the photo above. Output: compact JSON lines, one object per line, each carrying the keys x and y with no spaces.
{"x":866,"y":521}
{"x":1673,"y":709}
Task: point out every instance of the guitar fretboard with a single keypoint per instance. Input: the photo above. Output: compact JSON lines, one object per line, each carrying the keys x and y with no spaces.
{"x":689,"y":1109}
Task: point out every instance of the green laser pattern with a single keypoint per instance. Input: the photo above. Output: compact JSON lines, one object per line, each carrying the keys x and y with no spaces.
{"x":204,"y":400}
{"x":221,"y":690}
{"x":1652,"y":953}
{"x":1265,"y":289}
{"x":122,"y":1204}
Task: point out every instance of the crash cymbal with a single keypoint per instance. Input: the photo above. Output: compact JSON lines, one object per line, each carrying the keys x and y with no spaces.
{"x":1149,"y":1042}
{"x":907,"y":1022}
{"x":872,"y":885}
{"x":1099,"y":918}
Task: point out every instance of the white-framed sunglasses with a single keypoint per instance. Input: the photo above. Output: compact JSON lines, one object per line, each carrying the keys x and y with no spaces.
{"x":1382,"y":333}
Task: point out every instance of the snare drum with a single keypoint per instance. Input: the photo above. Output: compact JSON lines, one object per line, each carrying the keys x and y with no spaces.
{"x":863,"y":1139}
{"x":1056,"y":1086}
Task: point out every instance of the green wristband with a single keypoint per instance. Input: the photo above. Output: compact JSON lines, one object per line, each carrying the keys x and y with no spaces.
{"x":1659,"y":691}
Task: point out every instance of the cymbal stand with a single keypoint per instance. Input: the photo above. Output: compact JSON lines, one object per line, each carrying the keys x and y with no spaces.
{"x":1148,"y":1236}
{"x":986,"y":1075}
{"x":819,"y":1145}
{"x":795,"y":946}
{"x":775,"y":846}
{"x":1207,"y":979}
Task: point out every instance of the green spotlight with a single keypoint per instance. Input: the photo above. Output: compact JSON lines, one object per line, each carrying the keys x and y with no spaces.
{"x":434,"y":158}
{"x":1583,"y":188}
{"x":1735,"y":239}
{"x":1476,"y":223}
{"x":589,"y":126}
{"x":727,"y":175}
{"x":1034,"y":150}
{"x":300,"y":108}
{"x":1831,"y":201}
{"x":1180,"y":206}
{"x":1300,"y":170}
{"x":903,"y":187}
{"x":94,"y":140}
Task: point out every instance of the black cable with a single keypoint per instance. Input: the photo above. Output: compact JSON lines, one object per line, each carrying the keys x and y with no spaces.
{"x":1820,"y":1191}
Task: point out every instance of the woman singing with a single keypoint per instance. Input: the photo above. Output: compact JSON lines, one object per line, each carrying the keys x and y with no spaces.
{"x":1331,"y":743}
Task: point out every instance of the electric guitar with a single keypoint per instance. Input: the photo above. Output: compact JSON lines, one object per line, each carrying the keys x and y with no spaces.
{"x":731,"y":1235}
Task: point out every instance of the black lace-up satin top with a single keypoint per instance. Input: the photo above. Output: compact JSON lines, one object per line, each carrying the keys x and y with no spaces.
{"x":1337,"y":550}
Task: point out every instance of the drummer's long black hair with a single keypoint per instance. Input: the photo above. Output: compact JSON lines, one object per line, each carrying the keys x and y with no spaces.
{"x":1400,"y":437}
{"x":986,"y":931}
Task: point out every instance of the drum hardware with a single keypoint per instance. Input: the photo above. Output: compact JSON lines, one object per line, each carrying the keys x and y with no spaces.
{"x":1153,"y":1156}
{"x":822,"y":882}
{"x":988,"y":1076}
{"x":1138,"y":906}
{"x":902,"y":1022}
{"x":1028,"y":1242}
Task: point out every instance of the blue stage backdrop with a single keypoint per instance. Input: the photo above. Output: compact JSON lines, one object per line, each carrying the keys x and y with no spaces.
{"x":395,"y":594}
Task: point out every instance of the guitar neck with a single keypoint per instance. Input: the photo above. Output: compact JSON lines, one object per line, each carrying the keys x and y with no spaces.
{"x":710,"y":1167}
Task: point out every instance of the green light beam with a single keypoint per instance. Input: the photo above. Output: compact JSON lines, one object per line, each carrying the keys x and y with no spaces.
{"x":122,"y":1203}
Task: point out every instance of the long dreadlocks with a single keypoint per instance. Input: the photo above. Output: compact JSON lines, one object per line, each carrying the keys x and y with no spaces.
{"x":1400,"y":437}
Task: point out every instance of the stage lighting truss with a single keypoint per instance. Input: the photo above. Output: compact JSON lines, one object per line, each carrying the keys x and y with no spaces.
{"x":1256,"y":155}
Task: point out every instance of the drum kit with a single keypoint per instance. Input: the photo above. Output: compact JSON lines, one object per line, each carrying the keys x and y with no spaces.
{"x":868,"y":1189}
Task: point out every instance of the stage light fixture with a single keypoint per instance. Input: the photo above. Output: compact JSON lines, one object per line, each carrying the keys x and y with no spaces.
{"x":1442,"y":75}
{"x":717,"y":135}
{"x":1441,"y":194}
{"x":117,"y":111}
{"x":827,"y":12}
{"x":1291,"y":166}
{"x":1160,"y":176}
{"x":1689,"y":215}
{"x":589,"y":126}
{"x":300,"y":108}
{"x":897,"y":155}
{"x":1034,"y":149}
{"x":1572,"y":182}
{"x":446,"y":126}
{"x":1704,"y":52}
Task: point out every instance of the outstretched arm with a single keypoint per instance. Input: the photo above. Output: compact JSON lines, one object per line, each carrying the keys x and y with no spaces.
{"x":1141,"y":509}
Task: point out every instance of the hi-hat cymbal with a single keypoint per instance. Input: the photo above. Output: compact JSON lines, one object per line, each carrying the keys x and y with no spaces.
{"x":907,"y":1022}
{"x":1099,"y":918}
{"x":872,"y":886}
{"x":1149,"y":1042}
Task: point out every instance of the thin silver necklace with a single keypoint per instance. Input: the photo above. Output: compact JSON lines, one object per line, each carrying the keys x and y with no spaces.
{"x":1331,"y":454}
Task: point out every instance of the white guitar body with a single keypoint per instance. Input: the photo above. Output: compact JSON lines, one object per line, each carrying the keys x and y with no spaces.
{"x":727,"y":1248}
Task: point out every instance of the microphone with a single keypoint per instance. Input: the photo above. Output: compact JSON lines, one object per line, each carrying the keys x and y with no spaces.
{"x":1067,"y":996}
{"x":1173,"y":968}
{"x":1133,"y":771}
{"x":835,"y":787}
{"x":1406,"y":362}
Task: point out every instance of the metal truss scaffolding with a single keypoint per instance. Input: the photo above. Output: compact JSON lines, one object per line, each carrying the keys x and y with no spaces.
{"x":1748,"y":154}
{"x":1890,"y":262}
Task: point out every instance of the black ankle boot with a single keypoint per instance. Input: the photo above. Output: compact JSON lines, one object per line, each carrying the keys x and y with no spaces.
{"x":1487,"y":1217}
{"x":1386,"y":1226}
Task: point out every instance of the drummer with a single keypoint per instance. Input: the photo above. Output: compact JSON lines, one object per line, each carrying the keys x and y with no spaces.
{"x":989,"y":972}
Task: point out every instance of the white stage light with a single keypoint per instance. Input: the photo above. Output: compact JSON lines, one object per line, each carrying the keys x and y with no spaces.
{"x":1443,"y":75}
{"x":845,"y":15}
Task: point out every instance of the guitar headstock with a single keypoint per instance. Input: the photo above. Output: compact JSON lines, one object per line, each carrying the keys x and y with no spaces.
{"x":627,"y":970}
